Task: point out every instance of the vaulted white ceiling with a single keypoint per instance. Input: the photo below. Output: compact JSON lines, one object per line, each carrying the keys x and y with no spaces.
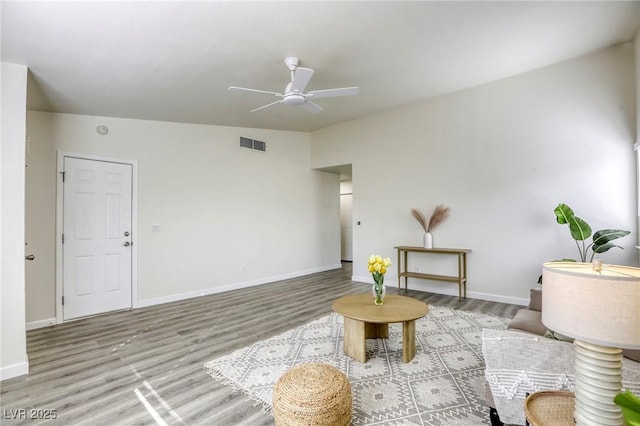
{"x":174,"y":61}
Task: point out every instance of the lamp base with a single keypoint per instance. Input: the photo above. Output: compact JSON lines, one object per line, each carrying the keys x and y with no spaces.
{"x":598,"y":381}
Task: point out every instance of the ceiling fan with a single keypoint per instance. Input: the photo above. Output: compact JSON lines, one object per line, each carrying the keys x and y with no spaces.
{"x":294,"y":92}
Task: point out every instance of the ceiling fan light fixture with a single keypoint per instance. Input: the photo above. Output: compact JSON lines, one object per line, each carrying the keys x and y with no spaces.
{"x":293,"y":99}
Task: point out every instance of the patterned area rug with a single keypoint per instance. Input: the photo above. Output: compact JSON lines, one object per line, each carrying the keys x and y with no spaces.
{"x":443,"y":385}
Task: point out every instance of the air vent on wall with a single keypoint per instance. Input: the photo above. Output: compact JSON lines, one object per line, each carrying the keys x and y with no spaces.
{"x":253,"y":144}
{"x":246,"y":143}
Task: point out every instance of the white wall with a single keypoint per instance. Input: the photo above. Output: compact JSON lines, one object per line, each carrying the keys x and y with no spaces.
{"x":13,"y":348}
{"x":501,"y":156}
{"x":636,"y":44}
{"x":40,"y":225}
{"x":228,"y":217}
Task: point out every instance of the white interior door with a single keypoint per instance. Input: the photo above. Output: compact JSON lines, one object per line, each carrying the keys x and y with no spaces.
{"x":97,"y":238}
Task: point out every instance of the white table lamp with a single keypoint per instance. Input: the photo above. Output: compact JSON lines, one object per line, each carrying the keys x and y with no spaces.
{"x":599,"y":306}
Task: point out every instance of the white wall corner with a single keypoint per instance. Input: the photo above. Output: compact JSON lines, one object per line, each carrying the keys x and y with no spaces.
{"x":13,"y":347}
{"x":636,"y":49}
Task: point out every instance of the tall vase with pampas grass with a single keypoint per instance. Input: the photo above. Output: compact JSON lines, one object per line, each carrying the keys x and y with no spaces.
{"x":440,"y":213}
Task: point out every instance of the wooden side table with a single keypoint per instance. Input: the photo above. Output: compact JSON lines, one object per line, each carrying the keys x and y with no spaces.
{"x":549,"y":408}
{"x":461,"y":278}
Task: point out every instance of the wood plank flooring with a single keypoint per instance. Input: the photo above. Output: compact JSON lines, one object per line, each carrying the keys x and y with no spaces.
{"x":104,"y":370}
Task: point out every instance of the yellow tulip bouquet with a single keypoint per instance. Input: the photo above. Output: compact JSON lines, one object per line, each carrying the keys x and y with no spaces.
{"x":378,"y":267}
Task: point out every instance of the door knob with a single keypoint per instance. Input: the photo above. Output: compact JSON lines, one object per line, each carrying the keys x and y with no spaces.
{"x":30,"y":257}
{"x":127,"y":243}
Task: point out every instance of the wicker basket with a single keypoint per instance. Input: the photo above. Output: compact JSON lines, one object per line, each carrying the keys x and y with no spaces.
{"x":550,"y":408}
{"x":312,"y":394}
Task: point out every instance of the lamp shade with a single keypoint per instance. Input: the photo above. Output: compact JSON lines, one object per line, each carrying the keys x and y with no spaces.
{"x":598,"y":304}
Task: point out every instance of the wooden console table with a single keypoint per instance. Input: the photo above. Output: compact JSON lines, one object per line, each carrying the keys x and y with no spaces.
{"x":461,"y":278}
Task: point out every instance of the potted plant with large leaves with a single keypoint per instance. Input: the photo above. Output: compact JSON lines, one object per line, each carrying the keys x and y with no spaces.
{"x":580,"y":231}
{"x":630,"y":405}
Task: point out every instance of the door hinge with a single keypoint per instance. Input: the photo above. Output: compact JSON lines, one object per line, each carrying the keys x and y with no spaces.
{"x":62,"y":300}
{"x":62,"y":238}
{"x":63,"y":173}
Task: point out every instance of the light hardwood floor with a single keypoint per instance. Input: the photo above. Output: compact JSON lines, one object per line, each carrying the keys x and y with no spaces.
{"x":98,"y":371}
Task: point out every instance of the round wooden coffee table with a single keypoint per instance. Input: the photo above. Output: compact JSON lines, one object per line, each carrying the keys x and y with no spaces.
{"x":365,"y":320}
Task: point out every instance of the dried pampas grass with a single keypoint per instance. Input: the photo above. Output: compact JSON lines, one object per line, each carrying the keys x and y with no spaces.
{"x":437,"y":217}
{"x":420,"y":218}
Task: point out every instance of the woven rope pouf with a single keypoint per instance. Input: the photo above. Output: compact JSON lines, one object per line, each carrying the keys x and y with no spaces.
{"x":312,"y":394}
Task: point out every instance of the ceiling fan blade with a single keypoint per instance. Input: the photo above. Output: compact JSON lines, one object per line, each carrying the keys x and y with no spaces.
{"x":246,"y":89}
{"x":328,"y":93}
{"x":301,"y":78}
{"x":310,"y":106}
{"x":266,"y":106}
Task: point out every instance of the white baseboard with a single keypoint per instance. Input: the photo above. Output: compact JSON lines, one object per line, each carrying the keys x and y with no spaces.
{"x":235,"y":286}
{"x":450,"y":290}
{"x":49,"y":322}
{"x":499,"y":298}
{"x":368,"y":279}
{"x":15,"y":370}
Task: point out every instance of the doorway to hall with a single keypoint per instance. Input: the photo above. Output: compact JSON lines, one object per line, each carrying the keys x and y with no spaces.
{"x":346,"y":208}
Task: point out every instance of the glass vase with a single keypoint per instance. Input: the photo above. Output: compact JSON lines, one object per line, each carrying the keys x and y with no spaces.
{"x":379,"y":291}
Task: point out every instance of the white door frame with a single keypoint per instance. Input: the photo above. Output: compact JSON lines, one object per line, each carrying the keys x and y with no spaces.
{"x":59,"y":225}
